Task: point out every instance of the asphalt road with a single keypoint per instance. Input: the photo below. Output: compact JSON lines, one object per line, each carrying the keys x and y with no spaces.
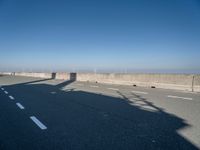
{"x":46,"y":114}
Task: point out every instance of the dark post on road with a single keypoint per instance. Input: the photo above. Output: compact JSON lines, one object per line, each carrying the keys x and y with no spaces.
{"x":73,"y":76}
{"x":53,"y":75}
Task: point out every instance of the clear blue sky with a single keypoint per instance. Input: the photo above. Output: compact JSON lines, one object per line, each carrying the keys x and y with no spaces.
{"x":109,"y":35}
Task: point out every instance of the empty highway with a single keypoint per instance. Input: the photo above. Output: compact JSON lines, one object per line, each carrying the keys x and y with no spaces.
{"x":53,"y":114}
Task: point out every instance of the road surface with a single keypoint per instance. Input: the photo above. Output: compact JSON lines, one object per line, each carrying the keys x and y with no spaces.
{"x":49,"y":114}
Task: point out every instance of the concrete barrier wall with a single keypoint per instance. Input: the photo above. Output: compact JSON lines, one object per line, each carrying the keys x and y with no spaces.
{"x":187,"y":82}
{"x":196,"y":83}
{"x":167,"y":81}
{"x":37,"y":75}
{"x":63,"y":76}
{"x":5,"y":73}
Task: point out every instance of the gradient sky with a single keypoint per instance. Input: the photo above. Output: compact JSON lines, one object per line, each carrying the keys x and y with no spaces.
{"x":123,"y":36}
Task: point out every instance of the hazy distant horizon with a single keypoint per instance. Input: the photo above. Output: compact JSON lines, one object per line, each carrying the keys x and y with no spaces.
{"x":121,"y":71}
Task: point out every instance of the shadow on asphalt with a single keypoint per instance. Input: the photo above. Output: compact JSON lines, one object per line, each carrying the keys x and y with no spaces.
{"x":82,"y":120}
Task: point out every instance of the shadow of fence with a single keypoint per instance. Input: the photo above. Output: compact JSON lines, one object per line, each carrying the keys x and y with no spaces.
{"x":86,"y":120}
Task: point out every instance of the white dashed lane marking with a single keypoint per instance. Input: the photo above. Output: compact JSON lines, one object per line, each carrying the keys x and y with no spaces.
{"x":2,"y":88}
{"x":80,"y":84}
{"x":135,"y":98}
{"x":139,"y":92}
{"x":38,"y":123}
{"x":177,"y":97}
{"x":113,"y":89}
{"x":94,"y":86}
{"x":20,"y":105}
{"x":5,"y":92}
{"x":11,"y":97}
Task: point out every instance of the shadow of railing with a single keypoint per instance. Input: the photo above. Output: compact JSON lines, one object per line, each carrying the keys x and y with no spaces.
{"x":98,"y":121}
{"x":35,"y":81}
{"x":1,"y":75}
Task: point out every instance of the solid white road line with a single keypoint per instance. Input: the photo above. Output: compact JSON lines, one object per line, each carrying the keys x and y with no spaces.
{"x":135,"y":98}
{"x":53,"y":92}
{"x":113,"y":89}
{"x":20,"y":105}
{"x":11,"y":97}
{"x":38,"y":123}
{"x":94,"y":86}
{"x":5,"y":92}
{"x":139,"y":92}
{"x":177,"y":97}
